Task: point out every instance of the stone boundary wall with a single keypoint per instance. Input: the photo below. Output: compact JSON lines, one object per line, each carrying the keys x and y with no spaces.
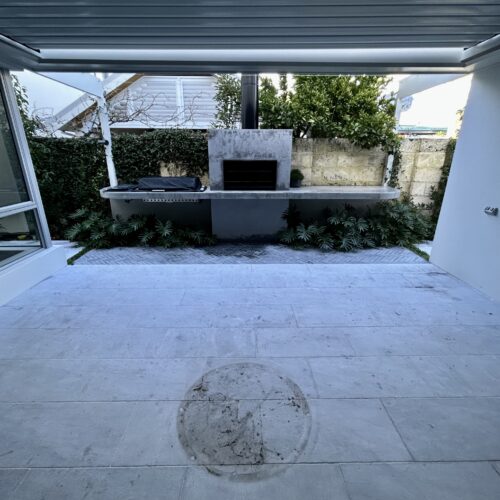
{"x":326,"y":162}
{"x":420,"y":166}
{"x":337,"y":162}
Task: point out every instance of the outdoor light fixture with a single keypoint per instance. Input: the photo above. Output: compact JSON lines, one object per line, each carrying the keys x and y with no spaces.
{"x":491,"y":211}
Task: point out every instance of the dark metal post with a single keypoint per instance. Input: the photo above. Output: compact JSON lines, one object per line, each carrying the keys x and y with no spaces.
{"x":250,"y":101}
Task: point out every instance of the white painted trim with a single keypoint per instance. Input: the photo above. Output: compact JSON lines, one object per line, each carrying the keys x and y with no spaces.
{"x":24,"y":155}
{"x":82,"y":103}
{"x":179,"y":96}
{"x":414,"y":84}
{"x":408,"y":55}
{"x":14,"y":55}
{"x":209,"y":61}
{"x":26,"y":272}
{"x":85,"y":82}
{"x":102,"y":111}
{"x":481,"y":49}
{"x":17,"y":208}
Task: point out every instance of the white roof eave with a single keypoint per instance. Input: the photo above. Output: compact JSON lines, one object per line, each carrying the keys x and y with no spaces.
{"x":210,"y":61}
{"x":257,"y":60}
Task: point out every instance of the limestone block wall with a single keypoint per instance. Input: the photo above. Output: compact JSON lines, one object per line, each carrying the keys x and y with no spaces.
{"x":327,"y":162}
{"x":337,"y":162}
{"x":420,"y":166}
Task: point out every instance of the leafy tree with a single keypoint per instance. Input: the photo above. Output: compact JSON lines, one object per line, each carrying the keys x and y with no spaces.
{"x":350,"y":107}
{"x":228,"y":101}
{"x":278,"y":106}
{"x":32,"y":123}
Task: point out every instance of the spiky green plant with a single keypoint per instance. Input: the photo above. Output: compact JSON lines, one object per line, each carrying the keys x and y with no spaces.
{"x":387,"y":224}
{"x":98,"y":230}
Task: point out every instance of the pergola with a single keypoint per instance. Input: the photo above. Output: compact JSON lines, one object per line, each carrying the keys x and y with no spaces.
{"x":322,"y":37}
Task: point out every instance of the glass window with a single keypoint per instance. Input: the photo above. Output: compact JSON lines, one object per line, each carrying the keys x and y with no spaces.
{"x":18,"y":236}
{"x":12,"y":184}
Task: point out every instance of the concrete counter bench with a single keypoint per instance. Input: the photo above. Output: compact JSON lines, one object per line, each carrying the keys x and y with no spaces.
{"x":368,"y":193}
{"x":241,"y":214}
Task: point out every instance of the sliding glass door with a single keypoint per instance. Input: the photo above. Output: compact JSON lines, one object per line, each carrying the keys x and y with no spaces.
{"x":23,"y":228}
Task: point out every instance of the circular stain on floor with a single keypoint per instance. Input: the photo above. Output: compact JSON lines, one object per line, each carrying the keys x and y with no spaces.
{"x":244,"y":420}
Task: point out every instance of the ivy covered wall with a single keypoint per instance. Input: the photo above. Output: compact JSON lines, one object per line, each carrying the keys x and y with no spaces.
{"x":70,"y":172}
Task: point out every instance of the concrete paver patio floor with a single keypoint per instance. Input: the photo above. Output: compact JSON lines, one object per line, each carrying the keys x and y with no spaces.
{"x":344,"y":382}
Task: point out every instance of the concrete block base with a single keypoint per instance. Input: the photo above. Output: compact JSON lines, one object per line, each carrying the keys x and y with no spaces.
{"x":247,"y":219}
{"x":196,"y":214}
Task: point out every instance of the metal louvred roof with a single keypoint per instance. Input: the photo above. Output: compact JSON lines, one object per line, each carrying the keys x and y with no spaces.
{"x":51,"y":26}
{"x":163,"y":24}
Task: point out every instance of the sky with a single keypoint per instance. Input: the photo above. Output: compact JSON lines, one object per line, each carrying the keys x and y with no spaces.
{"x":436,"y":107}
{"x":46,"y":97}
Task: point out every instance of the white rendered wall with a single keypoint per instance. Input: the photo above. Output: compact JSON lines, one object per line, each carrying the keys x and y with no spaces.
{"x":25,"y":273}
{"x":467,"y":241}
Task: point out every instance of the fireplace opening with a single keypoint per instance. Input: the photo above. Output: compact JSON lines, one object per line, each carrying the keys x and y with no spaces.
{"x":250,"y":175}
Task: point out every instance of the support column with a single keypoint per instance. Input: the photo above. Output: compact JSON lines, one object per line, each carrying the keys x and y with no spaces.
{"x":102,"y":111}
{"x":390,"y":158}
{"x":250,"y":101}
{"x":467,"y":239}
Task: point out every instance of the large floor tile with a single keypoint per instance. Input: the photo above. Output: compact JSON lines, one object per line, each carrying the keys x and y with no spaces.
{"x":162,"y":379}
{"x":419,"y":481}
{"x":213,"y":316}
{"x":303,"y":342}
{"x":359,"y":277}
{"x":395,"y":314}
{"x":355,"y":430}
{"x":425,"y":340}
{"x":296,"y":369}
{"x":481,"y":374}
{"x":398,"y":340}
{"x":271,"y":296}
{"x":448,"y":429}
{"x":295,"y":482}
{"x":339,"y":315}
{"x":22,"y":317}
{"x":84,"y":342}
{"x":97,"y":380}
{"x":433,"y":279}
{"x":151,"y":437}
{"x":468,"y":312}
{"x":283,"y":276}
{"x":208,"y":342}
{"x":10,"y":480}
{"x":98,"y":297}
{"x":147,"y":316}
{"x":61,"y":434}
{"x":19,"y":343}
{"x":136,"y":483}
{"x":379,"y":376}
{"x":467,"y":339}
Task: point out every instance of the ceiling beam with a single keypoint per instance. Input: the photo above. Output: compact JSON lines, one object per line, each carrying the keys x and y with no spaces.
{"x":414,"y":84}
{"x":15,"y":56}
{"x":473,"y":54}
{"x":86,"y":82}
{"x":209,"y":61}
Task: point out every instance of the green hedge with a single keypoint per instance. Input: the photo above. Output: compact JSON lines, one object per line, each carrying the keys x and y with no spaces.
{"x":70,"y":172}
{"x":141,"y":155}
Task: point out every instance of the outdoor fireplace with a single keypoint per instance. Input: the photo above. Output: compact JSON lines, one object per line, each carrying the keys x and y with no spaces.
{"x":249,"y":159}
{"x":255,"y":165}
{"x":249,"y":175}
